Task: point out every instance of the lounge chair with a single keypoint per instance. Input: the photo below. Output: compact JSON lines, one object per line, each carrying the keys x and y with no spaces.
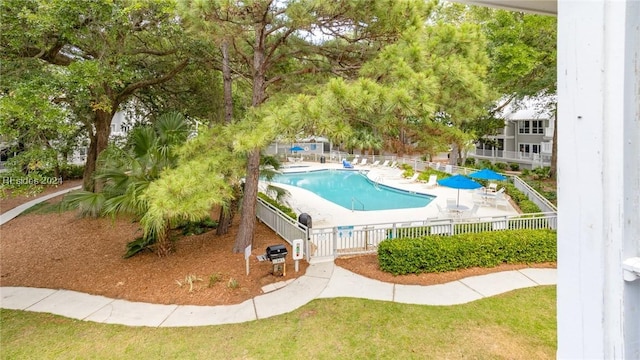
{"x":363,"y":162}
{"x":385,"y":163}
{"x":474,"y":211}
{"x":354,"y":162}
{"x":346,"y":164}
{"x":414,"y":178}
{"x":479,"y":197}
{"x":451,"y":203}
{"x":394,"y":164}
{"x":442,"y":212}
{"x":432,"y":181}
{"x":501,"y":199}
{"x":493,"y":187}
{"x":375,"y":163}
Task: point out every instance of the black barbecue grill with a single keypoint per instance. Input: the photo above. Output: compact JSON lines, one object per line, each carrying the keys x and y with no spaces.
{"x":276,"y":253}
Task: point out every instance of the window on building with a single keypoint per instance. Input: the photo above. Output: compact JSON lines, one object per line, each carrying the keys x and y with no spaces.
{"x":537,"y":127}
{"x":532,"y":127}
{"x":530,"y":148}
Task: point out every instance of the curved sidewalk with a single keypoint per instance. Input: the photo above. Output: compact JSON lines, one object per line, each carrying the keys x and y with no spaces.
{"x":322,"y":280}
{"x":9,"y":215}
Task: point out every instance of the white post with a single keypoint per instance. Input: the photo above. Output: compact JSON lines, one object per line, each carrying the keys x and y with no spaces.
{"x":598,"y":178}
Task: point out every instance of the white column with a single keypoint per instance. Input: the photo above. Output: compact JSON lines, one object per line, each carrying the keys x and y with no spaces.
{"x":598,"y":178}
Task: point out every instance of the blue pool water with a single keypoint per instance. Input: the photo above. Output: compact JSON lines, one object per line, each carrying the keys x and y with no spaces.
{"x":352,"y":190}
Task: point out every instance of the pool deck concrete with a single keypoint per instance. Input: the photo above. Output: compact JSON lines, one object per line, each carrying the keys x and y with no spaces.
{"x":327,"y":214}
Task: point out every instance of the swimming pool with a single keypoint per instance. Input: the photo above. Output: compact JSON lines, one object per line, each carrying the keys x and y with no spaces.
{"x":353,"y":190}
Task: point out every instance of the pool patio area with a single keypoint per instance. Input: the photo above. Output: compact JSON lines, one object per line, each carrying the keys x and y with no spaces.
{"x":327,"y":214}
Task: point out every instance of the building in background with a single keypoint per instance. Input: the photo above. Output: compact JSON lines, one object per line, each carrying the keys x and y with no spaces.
{"x":526,"y":139}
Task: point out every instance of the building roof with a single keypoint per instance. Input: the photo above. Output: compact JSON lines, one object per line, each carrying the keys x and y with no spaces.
{"x":528,"y":109}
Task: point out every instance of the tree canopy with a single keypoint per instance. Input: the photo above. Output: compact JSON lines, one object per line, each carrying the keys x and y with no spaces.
{"x":104,"y":51}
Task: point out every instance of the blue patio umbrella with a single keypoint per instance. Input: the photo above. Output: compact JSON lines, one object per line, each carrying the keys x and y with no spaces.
{"x":487,"y":174}
{"x":459,"y":182}
{"x":296,"y":148}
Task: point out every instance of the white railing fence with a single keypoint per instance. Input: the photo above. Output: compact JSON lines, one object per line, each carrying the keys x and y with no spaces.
{"x":288,"y":229}
{"x":362,"y":239}
{"x":544,"y":204}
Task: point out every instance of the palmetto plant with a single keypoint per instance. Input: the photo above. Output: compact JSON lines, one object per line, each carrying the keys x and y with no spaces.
{"x":127,"y":172}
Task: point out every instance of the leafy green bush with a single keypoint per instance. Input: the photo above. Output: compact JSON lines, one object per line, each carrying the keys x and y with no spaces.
{"x":424,"y":175}
{"x":487,"y":249}
{"x":486,"y":164}
{"x":470,"y":162}
{"x":285,"y":209}
{"x":187,"y":228}
{"x":501,"y":166}
{"x":528,"y":207}
{"x":542,"y":172}
{"x":138,"y":245}
{"x":514,"y":166}
{"x":71,"y":172}
{"x":408,"y":170}
{"x":516,"y":195}
{"x":197,"y":227}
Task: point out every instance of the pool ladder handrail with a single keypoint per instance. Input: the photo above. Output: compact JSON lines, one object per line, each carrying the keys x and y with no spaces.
{"x":353,"y":199}
{"x":377,"y":181}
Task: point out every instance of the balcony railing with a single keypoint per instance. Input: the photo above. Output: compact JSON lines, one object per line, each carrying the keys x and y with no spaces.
{"x":518,"y":156}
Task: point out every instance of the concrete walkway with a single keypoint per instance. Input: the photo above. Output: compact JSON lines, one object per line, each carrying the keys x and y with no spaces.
{"x":322,"y":280}
{"x":9,"y":215}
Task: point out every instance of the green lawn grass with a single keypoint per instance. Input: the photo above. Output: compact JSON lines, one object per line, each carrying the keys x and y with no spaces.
{"x":517,"y":325}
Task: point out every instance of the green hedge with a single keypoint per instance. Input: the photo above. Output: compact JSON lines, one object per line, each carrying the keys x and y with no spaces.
{"x":527,"y":206}
{"x":450,"y":253}
{"x":285,"y":209}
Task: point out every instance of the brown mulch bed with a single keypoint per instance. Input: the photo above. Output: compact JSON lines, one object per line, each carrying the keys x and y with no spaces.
{"x":367,"y":265}
{"x":62,"y":251}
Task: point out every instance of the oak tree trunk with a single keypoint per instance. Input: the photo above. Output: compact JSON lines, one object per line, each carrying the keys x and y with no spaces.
{"x":98,"y":141}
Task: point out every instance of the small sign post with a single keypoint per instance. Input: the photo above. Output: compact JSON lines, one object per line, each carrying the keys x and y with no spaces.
{"x":298,"y":252}
{"x":247,"y":254}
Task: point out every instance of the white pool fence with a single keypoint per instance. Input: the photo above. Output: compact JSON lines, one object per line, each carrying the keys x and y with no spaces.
{"x":330,"y":242}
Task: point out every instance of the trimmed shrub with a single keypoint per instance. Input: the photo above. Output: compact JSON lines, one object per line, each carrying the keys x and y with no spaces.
{"x":487,"y":249}
{"x":285,"y":209}
{"x":514,"y":166}
{"x":516,"y":195}
{"x":528,"y":207}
